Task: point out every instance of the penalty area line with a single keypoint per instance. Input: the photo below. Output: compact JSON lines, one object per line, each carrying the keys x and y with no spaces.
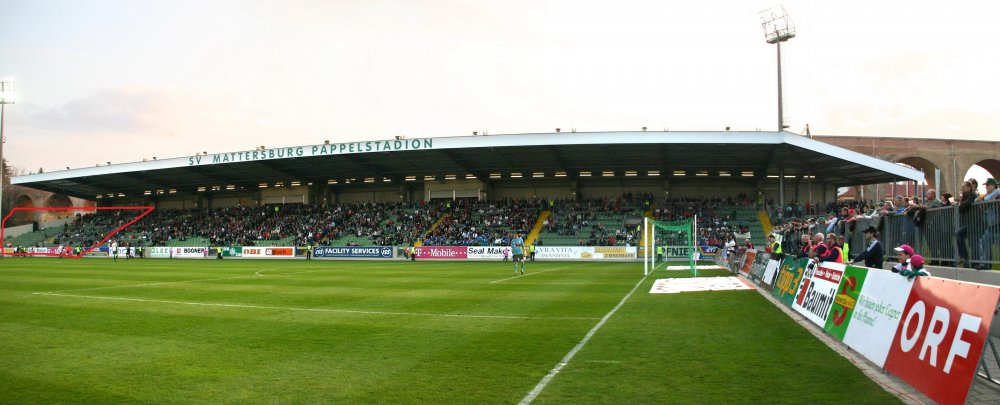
{"x":322,"y":310}
{"x":569,"y":356}
{"x":529,"y":274}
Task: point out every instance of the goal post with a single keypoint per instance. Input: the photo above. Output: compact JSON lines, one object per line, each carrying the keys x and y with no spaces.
{"x":676,"y":239}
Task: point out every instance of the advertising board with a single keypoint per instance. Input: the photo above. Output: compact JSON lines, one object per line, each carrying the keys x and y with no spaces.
{"x":789,"y":278}
{"x":758,"y":266}
{"x":769,"y":274}
{"x":158,"y":252}
{"x":442,"y":252}
{"x":563,"y":252}
{"x":491,"y":252}
{"x":199,"y":252}
{"x":748,"y":259}
{"x":353,"y":252}
{"x":876,"y":315}
{"x":939,"y":341}
{"x":264,"y":252}
{"x":845,"y":301}
{"x":817,"y":291}
{"x":614,"y":252}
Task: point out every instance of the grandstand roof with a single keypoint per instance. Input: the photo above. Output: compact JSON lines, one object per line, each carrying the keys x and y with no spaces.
{"x":563,"y":154}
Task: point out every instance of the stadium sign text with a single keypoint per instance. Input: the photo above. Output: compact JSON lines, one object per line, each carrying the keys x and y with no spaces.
{"x":314,"y":150}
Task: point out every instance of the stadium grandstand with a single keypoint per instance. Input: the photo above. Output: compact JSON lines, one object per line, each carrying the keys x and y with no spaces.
{"x":576,"y":189}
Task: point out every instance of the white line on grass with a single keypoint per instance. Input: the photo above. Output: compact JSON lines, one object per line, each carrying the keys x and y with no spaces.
{"x":257,"y":274}
{"x":569,"y":356}
{"x":144,"y":284}
{"x":529,"y":274}
{"x":328,"y":310}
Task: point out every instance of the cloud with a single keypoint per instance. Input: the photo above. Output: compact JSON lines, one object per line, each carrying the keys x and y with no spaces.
{"x":106,"y":110}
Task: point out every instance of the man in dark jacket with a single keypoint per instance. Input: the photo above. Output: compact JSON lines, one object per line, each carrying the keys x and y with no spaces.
{"x":964,"y":220}
{"x":874,"y":254}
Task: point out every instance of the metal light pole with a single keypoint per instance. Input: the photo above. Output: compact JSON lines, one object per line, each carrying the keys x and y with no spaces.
{"x":778,"y":28}
{"x":6,"y":97}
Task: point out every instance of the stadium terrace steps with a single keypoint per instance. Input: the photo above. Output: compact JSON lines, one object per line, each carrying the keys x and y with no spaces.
{"x":420,"y":242}
{"x":765,"y":221}
{"x":537,"y":229}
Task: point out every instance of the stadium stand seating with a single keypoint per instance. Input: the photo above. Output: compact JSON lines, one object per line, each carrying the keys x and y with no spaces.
{"x":598,"y":222}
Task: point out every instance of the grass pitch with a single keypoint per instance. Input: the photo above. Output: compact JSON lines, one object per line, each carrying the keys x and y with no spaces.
{"x":208,"y":331}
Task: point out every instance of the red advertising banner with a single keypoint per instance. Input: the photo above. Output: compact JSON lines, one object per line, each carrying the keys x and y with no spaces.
{"x":748,"y":262}
{"x":442,"y":252}
{"x":941,"y":335}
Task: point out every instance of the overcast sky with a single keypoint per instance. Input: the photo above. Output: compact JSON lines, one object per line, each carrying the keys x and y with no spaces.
{"x":119,"y":81}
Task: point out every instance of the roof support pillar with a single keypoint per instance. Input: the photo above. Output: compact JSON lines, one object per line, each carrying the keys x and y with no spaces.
{"x":795,"y":197}
{"x":781,"y":187}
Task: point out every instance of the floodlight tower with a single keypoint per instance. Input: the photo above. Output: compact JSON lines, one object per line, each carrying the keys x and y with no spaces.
{"x":6,"y":97}
{"x":778,"y":28}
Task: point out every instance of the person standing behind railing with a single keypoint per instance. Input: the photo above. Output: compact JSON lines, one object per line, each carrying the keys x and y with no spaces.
{"x":874,"y":254}
{"x":991,"y":226}
{"x":964,"y":220}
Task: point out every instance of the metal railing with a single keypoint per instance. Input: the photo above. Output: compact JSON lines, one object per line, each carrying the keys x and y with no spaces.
{"x":943,"y":236}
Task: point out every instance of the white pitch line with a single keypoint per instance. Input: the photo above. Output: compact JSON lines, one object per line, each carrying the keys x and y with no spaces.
{"x":307,"y":271}
{"x":257,"y":274}
{"x":144,"y":285}
{"x":342,"y":311}
{"x":569,"y":356}
{"x":529,"y":274}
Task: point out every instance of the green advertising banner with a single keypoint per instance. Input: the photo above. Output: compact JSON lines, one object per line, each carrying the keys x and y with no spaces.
{"x":232,"y":251}
{"x":789,"y":278}
{"x":845,"y":301}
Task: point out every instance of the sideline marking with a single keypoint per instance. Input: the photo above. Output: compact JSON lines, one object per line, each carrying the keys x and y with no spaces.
{"x":343,"y":311}
{"x":569,"y":356}
{"x":142,"y":285}
{"x":529,"y":274}
{"x":257,"y":274}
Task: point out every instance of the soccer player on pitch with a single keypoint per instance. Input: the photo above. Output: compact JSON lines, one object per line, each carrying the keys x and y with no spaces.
{"x":517,"y":249}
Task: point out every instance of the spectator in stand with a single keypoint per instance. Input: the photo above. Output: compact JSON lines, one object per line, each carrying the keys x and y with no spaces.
{"x":807,"y":247}
{"x":833,"y":251}
{"x":991,"y":227}
{"x":947,"y":200}
{"x":818,"y":248}
{"x":903,"y":255}
{"x":992,"y":192}
{"x":932,"y":200}
{"x":874,"y":254}
{"x":964,"y":220}
{"x":901,"y":205}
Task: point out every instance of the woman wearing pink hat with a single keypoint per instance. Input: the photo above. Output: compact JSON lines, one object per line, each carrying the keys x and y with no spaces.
{"x":904,"y":254}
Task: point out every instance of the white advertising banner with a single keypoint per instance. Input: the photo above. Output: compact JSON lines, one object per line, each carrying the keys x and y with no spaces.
{"x":123,"y":251}
{"x":771,"y":271}
{"x":563,"y":252}
{"x":876,"y":316}
{"x":158,"y":252}
{"x":200,"y":252}
{"x":490,"y":252}
{"x":817,"y":291}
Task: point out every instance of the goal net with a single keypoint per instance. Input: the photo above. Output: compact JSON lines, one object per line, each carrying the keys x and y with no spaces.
{"x":670,"y":242}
